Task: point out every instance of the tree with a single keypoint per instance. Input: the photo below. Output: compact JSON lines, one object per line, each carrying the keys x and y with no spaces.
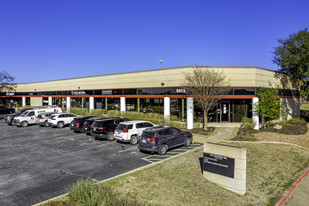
{"x":269,"y":104}
{"x":6,"y":82}
{"x":207,"y":87}
{"x":292,"y":57}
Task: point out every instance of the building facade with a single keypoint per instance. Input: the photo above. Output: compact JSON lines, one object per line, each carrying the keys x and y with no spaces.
{"x":159,"y":91}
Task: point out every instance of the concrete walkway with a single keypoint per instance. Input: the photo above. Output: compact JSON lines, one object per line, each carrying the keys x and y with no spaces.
{"x":223,"y":133}
{"x":300,"y":196}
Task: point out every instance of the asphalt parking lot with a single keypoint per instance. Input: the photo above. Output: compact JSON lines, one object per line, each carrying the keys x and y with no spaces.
{"x":39,"y":163}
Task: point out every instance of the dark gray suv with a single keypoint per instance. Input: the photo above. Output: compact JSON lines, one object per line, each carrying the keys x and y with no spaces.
{"x":160,"y":139}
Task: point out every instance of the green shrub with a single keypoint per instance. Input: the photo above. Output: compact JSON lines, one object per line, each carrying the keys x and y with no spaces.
{"x":97,"y":112}
{"x":78,"y":111}
{"x":247,"y":123}
{"x":86,"y":192}
{"x":151,"y":117}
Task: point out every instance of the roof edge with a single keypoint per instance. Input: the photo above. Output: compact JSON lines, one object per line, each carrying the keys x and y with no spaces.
{"x":149,"y":70}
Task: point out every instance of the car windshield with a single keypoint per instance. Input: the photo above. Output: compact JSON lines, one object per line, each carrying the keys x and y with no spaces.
{"x":20,"y":111}
{"x":88,"y":122}
{"x":24,"y":114}
{"x":148,"y":134}
{"x":123,"y":127}
{"x":97,"y":124}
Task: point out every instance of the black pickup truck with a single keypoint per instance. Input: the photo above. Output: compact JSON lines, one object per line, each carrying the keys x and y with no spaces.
{"x":5,"y":110}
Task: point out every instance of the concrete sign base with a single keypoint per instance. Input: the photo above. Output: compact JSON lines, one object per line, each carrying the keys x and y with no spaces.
{"x":225,"y":165}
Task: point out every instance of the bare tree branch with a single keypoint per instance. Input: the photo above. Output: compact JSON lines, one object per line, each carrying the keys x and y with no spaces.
{"x":207,"y":87}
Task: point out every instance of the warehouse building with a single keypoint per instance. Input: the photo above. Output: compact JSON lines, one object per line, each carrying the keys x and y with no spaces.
{"x":159,"y":91}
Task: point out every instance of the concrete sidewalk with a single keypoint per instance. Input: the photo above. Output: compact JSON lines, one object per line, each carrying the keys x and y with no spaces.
{"x":300,"y":196}
{"x":223,"y":133}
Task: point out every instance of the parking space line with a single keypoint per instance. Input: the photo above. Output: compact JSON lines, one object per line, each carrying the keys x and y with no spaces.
{"x":128,"y":149}
{"x":147,"y":160}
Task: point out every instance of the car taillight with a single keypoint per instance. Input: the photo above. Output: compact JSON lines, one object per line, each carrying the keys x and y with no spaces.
{"x":89,"y":125}
{"x":40,"y":117}
{"x":77,"y":123}
{"x":125,"y":131}
{"x":101,"y":128}
{"x":53,"y":119}
{"x":153,"y":139}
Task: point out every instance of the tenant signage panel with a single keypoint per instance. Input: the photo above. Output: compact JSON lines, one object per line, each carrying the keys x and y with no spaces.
{"x":219,"y":165}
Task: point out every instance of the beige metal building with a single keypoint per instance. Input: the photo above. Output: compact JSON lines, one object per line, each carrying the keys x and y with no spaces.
{"x":159,"y":91}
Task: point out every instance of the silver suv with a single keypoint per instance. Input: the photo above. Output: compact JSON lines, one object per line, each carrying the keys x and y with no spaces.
{"x":131,"y":131}
{"x":60,"y":120}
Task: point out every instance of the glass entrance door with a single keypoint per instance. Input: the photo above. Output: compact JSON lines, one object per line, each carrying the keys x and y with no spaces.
{"x":225,"y":111}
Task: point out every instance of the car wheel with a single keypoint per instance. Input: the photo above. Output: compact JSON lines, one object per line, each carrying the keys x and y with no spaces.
{"x":24,"y":124}
{"x":163,"y":149}
{"x":134,"y":139}
{"x":45,"y":124}
{"x":110,"y":136}
{"x":187,"y":142}
{"x":60,"y":124}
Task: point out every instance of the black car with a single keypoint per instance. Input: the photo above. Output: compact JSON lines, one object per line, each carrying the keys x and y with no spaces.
{"x":5,"y":110}
{"x":105,"y":128}
{"x":159,"y":139}
{"x":78,"y":122}
{"x":9,"y":118}
{"x":88,"y":122}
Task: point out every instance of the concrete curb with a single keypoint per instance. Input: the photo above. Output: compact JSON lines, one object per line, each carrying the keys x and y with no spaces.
{"x":129,"y":172}
{"x":286,"y":196}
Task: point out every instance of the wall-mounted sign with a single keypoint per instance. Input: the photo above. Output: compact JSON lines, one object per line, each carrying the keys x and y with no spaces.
{"x":107,"y":91}
{"x":78,"y":92}
{"x":10,"y":94}
{"x":219,"y":164}
{"x":182,"y":91}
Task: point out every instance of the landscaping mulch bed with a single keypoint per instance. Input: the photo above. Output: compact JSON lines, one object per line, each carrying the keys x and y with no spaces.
{"x":201,"y":131}
{"x":290,"y":128}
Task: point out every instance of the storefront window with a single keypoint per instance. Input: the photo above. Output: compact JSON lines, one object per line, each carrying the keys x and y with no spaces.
{"x":176,"y":107}
{"x":131,"y":104}
{"x":113,"y":104}
{"x":45,"y":101}
{"x":99,"y":103}
{"x":149,"y":105}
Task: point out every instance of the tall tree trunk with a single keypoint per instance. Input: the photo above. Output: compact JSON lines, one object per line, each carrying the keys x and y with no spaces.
{"x":205,"y":120}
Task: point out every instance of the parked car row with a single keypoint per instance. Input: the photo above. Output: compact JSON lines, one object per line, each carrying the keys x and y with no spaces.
{"x":28,"y":116}
{"x":148,"y":136}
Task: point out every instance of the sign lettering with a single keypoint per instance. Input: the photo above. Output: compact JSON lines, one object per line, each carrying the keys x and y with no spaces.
{"x":183,"y":91}
{"x":219,"y":164}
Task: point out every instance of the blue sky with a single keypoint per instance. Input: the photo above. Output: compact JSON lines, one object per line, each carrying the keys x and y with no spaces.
{"x":44,"y":40}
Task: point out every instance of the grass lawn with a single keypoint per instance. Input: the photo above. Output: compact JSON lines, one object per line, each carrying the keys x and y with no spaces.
{"x":271,"y":169}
